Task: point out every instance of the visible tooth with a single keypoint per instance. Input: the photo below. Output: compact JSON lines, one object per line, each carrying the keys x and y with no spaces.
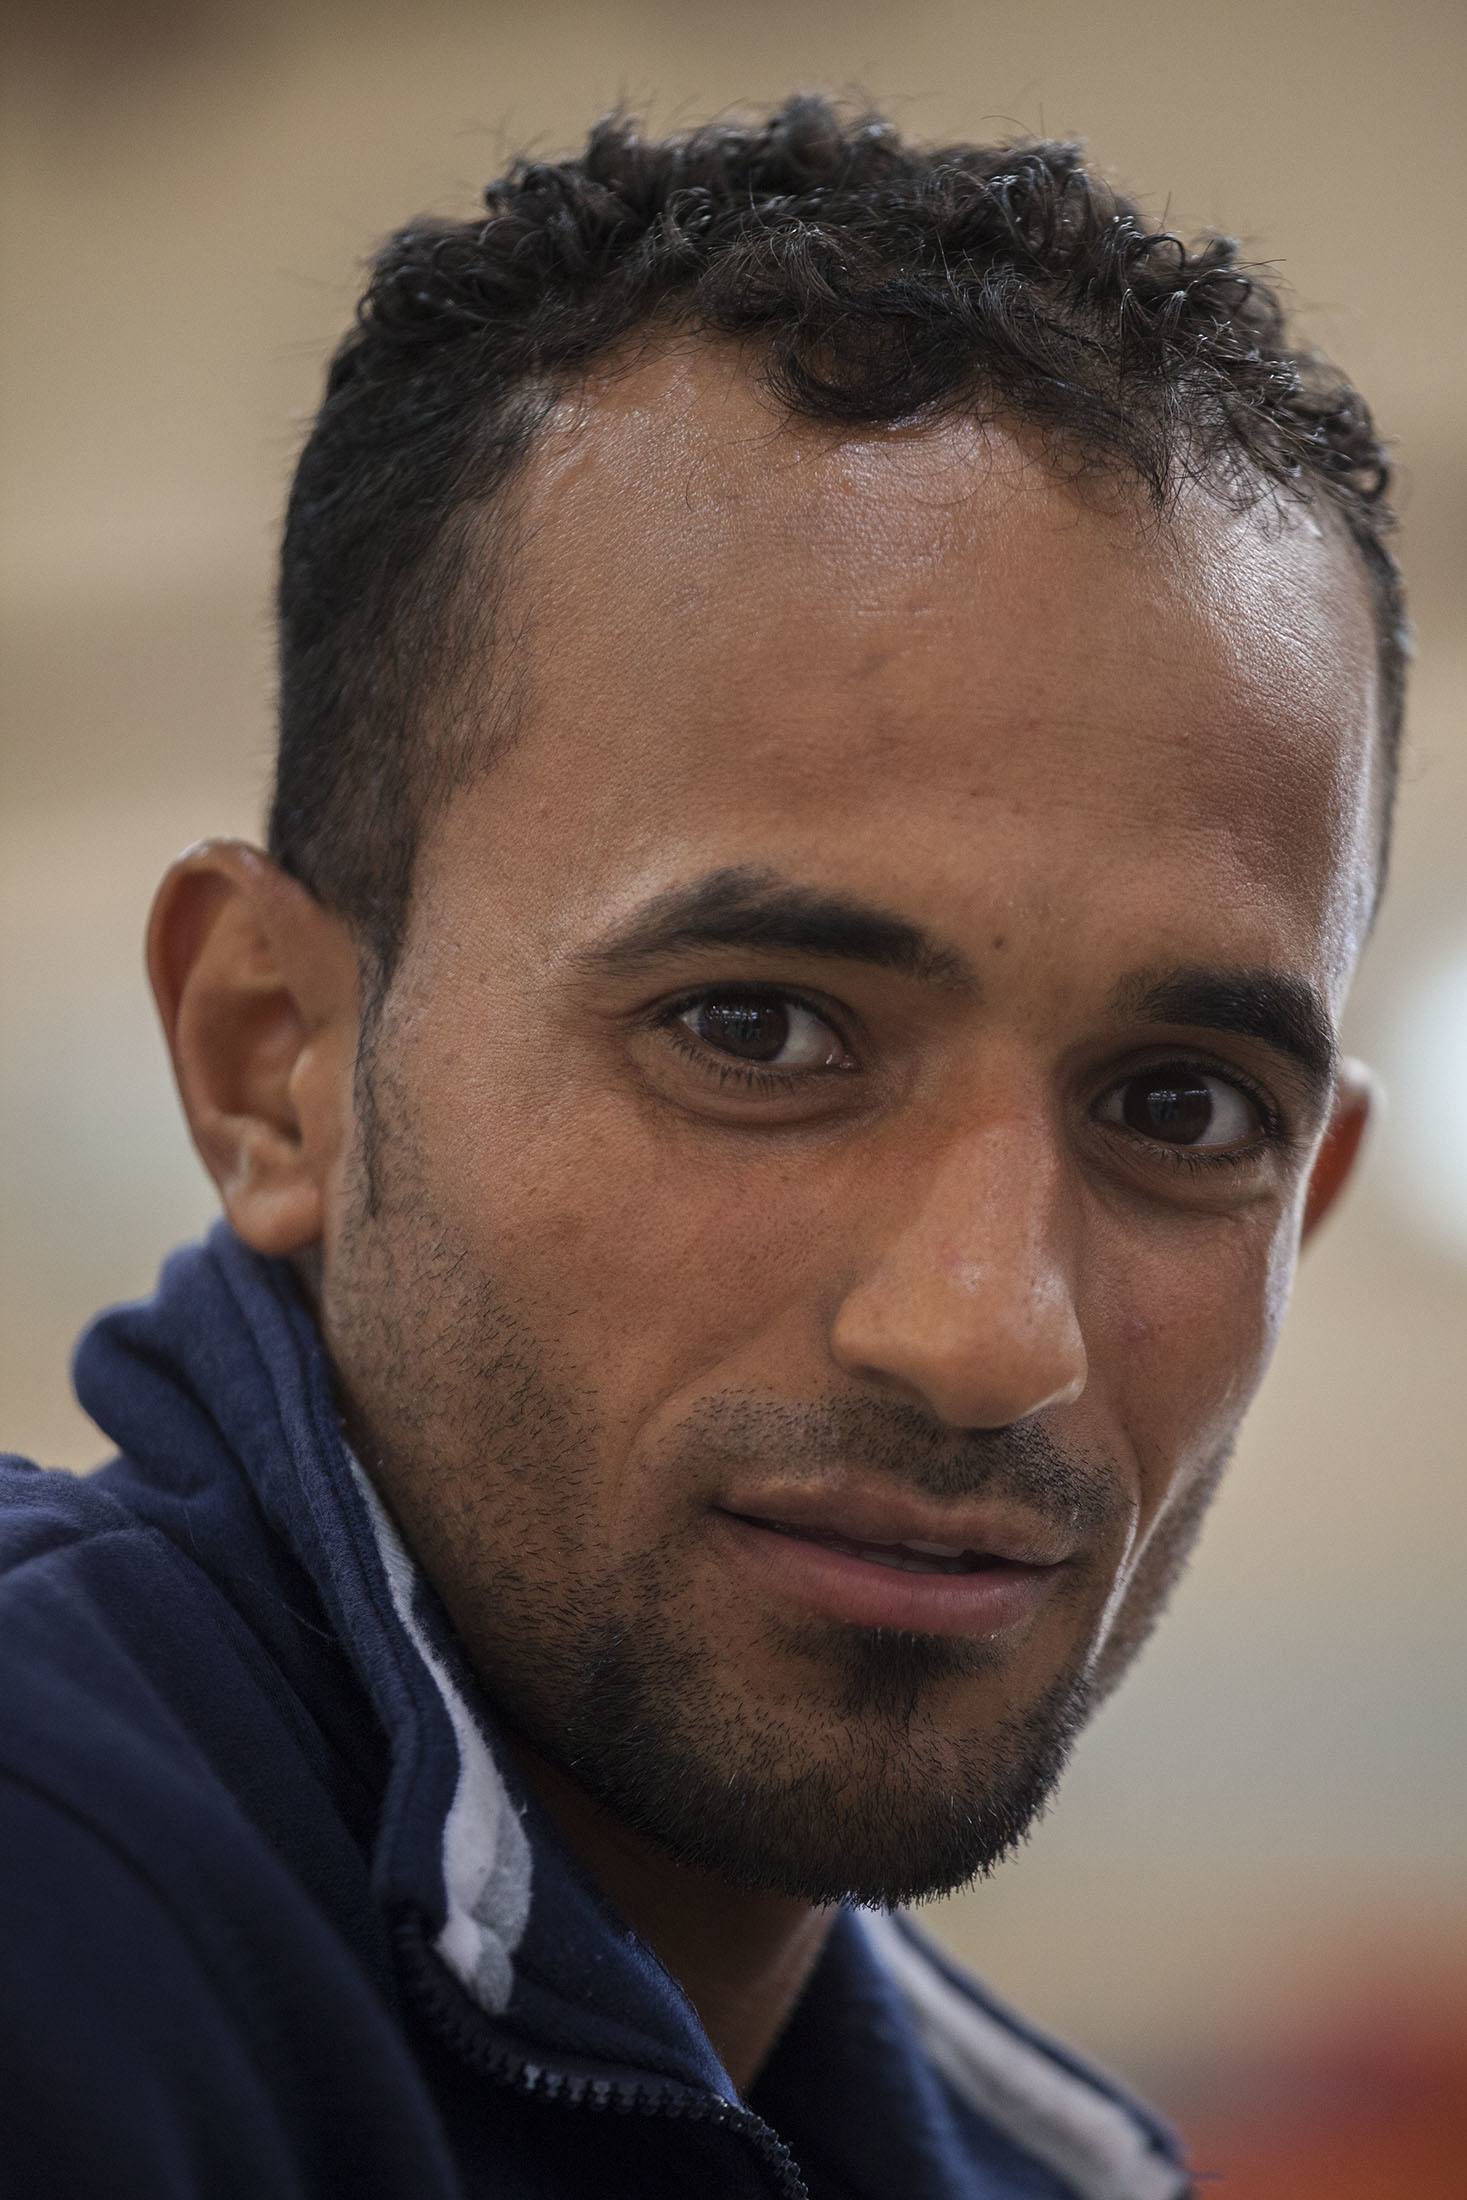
{"x":936,"y":1550}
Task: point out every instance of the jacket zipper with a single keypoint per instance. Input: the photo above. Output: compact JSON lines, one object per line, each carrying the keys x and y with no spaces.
{"x":519,"y":2074}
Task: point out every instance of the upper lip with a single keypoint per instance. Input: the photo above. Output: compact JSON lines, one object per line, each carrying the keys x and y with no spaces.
{"x":865,"y":1515}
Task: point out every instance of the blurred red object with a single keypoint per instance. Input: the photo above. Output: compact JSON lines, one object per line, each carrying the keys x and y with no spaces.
{"x":1368,"y":2101}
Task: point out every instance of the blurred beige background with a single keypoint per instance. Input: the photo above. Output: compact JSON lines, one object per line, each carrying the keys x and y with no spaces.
{"x":1264,"y":1837}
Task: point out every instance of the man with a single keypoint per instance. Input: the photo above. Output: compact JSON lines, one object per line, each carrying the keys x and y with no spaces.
{"x":839,"y":709}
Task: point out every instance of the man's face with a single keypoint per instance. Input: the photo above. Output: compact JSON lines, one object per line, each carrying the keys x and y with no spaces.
{"x":708,"y":1233}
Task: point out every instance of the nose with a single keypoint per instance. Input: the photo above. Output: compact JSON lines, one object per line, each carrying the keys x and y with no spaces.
{"x":967,"y":1302}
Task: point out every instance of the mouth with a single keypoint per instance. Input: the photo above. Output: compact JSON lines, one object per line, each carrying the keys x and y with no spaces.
{"x":907,"y":1557}
{"x":914,"y":1584}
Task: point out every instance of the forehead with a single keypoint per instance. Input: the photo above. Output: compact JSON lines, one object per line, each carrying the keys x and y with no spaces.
{"x":750,"y":637}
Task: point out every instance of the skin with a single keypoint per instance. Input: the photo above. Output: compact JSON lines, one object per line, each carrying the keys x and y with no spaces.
{"x":581,"y":1289}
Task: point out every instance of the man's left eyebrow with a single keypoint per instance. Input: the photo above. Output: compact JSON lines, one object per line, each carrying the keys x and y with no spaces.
{"x":741,"y":907}
{"x":1277,"y":1007}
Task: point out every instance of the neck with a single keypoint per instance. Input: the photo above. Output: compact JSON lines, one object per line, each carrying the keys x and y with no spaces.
{"x":741,"y":1958}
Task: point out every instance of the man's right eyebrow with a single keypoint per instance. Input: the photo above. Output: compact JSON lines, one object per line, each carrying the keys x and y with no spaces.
{"x":1279,"y":1008}
{"x":755,"y":910}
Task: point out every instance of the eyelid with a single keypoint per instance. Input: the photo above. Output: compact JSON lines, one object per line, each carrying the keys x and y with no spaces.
{"x":1276,"y":1137}
{"x":1274,"y":1116}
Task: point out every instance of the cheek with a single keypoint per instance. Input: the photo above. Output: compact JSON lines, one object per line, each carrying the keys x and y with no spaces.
{"x":646,"y":1249}
{"x":1187,"y":1336}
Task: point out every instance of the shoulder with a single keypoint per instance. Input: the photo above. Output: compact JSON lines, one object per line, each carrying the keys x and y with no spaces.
{"x":103,"y":1979}
{"x":45,"y":1508}
{"x":74,"y":1567}
{"x":65,"y":1542}
{"x":125,"y":1652}
{"x":141,"y":1698}
{"x":110,"y":1641}
{"x":191,"y":1998}
{"x":1052,"y":2104}
{"x":95,"y":1608}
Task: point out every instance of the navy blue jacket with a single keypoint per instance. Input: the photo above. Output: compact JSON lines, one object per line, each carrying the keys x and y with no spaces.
{"x":278,"y":1922}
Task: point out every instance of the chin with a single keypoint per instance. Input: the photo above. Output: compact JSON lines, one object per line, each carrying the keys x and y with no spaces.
{"x":864,"y":1797}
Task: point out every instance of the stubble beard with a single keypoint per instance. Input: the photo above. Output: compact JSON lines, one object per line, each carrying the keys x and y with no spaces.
{"x":889,"y":1806}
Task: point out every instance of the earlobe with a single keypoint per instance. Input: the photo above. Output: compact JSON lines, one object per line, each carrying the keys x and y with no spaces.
{"x":256,"y":988}
{"x":1358,"y":1097}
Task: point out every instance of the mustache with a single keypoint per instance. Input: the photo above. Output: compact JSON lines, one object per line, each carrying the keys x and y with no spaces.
{"x":1022,"y":1464}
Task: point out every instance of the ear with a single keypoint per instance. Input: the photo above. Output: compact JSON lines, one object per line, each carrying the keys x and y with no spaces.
{"x":256,"y":985}
{"x":1358,"y":1095}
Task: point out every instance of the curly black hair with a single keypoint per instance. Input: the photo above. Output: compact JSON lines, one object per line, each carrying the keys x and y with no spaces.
{"x":873,"y":279}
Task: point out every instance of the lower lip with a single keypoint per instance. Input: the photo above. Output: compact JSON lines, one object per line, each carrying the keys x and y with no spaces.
{"x":991,"y":1601}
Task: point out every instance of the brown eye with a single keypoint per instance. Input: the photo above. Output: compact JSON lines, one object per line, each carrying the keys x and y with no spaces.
{"x":1182,"y":1106}
{"x":753,"y":1030}
{"x":764,"y":1028}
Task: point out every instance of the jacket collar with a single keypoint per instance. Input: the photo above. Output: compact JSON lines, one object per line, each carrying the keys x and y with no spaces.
{"x":464,"y":1855}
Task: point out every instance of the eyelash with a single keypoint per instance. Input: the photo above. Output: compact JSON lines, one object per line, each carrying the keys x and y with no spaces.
{"x":773,"y":1083}
{"x":1274,"y":1134}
